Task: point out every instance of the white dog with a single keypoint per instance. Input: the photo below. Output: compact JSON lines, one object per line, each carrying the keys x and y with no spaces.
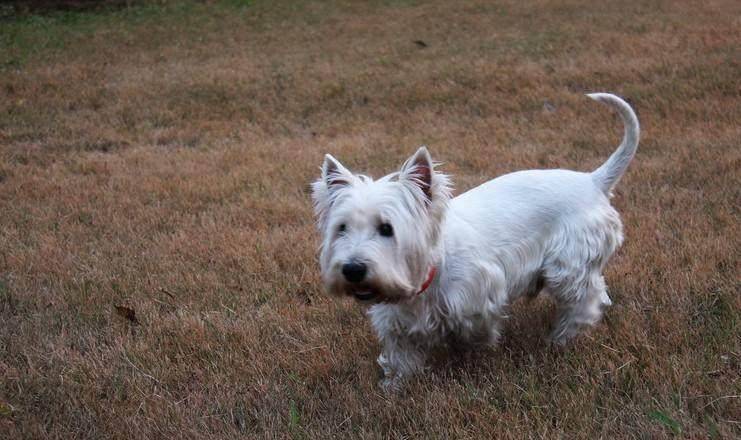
{"x":436,"y":267}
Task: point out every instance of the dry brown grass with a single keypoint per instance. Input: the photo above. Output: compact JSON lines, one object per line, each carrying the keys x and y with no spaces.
{"x":158,"y":158}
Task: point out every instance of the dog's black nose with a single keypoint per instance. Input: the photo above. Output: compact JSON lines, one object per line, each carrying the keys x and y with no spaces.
{"x":354,"y":272}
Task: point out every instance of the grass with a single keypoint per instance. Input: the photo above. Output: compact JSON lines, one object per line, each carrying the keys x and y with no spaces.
{"x":157,"y":158}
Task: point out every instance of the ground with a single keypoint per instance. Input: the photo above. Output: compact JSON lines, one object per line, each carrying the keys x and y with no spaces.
{"x":158,"y":257}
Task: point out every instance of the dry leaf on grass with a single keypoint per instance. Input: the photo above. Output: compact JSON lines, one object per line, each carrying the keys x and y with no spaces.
{"x":127,"y":313}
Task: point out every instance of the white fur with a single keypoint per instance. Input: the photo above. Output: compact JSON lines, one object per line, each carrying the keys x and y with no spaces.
{"x":551,"y":230}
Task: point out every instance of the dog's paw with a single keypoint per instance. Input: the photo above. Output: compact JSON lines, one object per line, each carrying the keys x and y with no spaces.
{"x":391,"y":385}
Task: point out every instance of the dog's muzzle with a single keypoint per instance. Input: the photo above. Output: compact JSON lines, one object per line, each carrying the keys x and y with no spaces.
{"x":355,"y":273}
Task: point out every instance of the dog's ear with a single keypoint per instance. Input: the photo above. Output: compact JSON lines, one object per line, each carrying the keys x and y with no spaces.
{"x":334,"y":176}
{"x":419,"y":171}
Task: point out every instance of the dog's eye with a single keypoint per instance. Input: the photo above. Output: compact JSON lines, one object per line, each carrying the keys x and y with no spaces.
{"x":385,"y":230}
{"x":341,"y":228}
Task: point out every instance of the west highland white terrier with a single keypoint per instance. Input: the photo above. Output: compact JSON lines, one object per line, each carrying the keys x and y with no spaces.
{"x":435,"y":267}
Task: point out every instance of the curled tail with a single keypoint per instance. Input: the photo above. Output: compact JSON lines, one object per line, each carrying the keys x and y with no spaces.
{"x":607,"y":176}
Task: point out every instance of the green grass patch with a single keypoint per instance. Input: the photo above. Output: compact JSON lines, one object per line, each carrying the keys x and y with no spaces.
{"x":25,"y":37}
{"x":667,"y":421}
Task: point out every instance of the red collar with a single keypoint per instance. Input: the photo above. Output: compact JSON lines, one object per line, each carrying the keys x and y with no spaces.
{"x":427,"y":283}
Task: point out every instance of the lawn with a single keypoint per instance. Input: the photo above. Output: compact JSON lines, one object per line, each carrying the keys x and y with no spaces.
{"x":158,"y":256}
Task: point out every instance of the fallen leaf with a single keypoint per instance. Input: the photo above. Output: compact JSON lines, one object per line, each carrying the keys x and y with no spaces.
{"x":5,"y":409}
{"x":127,"y":313}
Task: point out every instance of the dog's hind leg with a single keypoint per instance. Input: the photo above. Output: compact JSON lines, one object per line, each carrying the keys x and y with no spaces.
{"x":573,"y":269}
{"x":580,"y":306}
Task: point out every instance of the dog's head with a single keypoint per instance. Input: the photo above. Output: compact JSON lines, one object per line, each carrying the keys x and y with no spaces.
{"x":379,"y":237}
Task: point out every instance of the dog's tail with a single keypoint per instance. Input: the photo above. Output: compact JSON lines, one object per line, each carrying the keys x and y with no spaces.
{"x":607,"y":176}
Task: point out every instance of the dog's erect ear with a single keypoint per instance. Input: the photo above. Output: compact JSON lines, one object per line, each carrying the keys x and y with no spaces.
{"x":334,"y":174}
{"x":419,"y":170}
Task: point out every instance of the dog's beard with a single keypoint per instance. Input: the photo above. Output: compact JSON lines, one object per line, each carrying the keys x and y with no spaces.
{"x":371,"y":291}
{"x":366,"y":293}
{"x":390,"y":279}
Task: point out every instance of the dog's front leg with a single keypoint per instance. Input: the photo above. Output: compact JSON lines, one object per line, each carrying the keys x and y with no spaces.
{"x":402,"y":356}
{"x":399,"y":360}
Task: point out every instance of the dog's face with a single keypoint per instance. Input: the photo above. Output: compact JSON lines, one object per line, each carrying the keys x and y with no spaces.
{"x":379,"y":237}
